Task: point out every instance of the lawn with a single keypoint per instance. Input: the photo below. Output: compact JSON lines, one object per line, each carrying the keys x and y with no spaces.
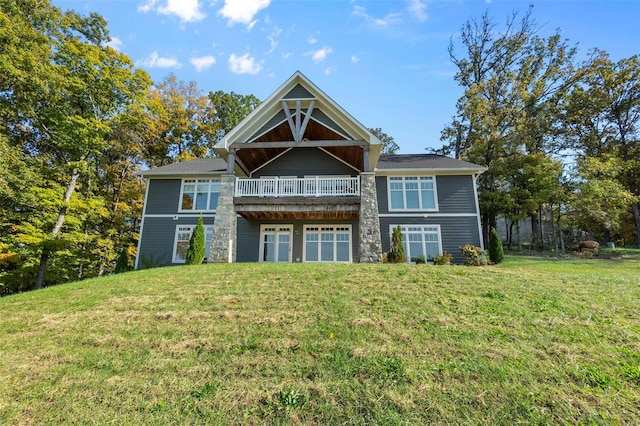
{"x":528,"y":341}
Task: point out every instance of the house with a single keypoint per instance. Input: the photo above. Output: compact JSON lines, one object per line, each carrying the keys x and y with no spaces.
{"x":300,"y":180}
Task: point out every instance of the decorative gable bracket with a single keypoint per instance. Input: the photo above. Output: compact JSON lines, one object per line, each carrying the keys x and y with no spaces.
{"x":298,"y":126}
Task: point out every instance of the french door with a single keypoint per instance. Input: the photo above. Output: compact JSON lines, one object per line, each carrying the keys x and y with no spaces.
{"x":275,"y":243}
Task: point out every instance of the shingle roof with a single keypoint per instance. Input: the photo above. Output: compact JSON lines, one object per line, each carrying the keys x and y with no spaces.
{"x":191,"y":167}
{"x":424,"y":161}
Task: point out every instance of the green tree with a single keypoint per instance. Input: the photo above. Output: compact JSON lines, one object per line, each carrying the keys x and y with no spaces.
{"x":196,"y":250}
{"x":122,"y":264}
{"x":389,"y":145}
{"x":229,"y":109}
{"x":496,"y":251}
{"x":396,"y":254}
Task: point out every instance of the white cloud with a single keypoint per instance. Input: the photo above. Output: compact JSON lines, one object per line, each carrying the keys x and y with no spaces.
{"x":186,"y":10}
{"x":355,"y":59}
{"x":273,"y":39}
{"x":388,"y":20}
{"x":146,"y":6}
{"x":286,"y":55}
{"x":312,"y":40}
{"x":242,"y":11}
{"x":203,"y":62}
{"x":418,"y":9}
{"x":115,"y":43}
{"x":243,"y":64}
{"x":156,"y":61}
{"x":320,"y":54}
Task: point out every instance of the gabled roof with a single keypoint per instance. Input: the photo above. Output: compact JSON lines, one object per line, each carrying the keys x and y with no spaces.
{"x":199,"y":166}
{"x":273,"y":120}
{"x":434,"y":162}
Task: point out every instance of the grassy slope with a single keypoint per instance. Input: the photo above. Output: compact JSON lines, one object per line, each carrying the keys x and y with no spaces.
{"x":528,"y":341}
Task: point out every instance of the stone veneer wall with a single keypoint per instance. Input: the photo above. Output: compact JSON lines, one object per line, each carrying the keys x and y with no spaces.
{"x":370,"y":240}
{"x":223,"y":243}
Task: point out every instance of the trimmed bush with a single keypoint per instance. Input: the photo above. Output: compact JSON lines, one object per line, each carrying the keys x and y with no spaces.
{"x":474,"y":256}
{"x":496,"y":251}
{"x":196,"y":251}
{"x":420,"y":260}
{"x":396,"y":254}
{"x":442,"y":259}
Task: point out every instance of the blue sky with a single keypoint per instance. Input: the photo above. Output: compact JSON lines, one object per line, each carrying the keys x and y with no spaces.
{"x":386,"y":62}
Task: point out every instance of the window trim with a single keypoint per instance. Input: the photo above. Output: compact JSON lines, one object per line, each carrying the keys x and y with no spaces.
{"x":195,"y":180}
{"x":404,"y":194}
{"x":422,"y":225}
{"x":326,"y":225}
{"x":174,"y":259}
{"x":263,"y":227}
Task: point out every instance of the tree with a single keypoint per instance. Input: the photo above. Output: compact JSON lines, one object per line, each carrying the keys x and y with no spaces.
{"x":496,"y":251}
{"x":512,"y":82}
{"x":396,"y":254}
{"x":603,"y":119}
{"x":229,"y":109}
{"x":389,"y":145}
{"x":196,"y":250}
{"x":122,"y":264}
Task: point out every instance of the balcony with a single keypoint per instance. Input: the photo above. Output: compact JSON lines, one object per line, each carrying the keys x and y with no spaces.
{"x":298,"y":198}
{"x":298,"y":187}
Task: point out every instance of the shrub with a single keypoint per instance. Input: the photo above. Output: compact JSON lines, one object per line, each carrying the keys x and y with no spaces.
{"x":496,"y":251}
{"x":473,"y":255}
{"x":396,"y":254}
{"x":196,"y":250}
{"x":122,"y":264}
{"x":419,"y":260}
{"x":442,"y":259}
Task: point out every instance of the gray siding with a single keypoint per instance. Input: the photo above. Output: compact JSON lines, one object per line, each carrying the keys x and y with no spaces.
{"x":248,"y":237}
{"x":163,"y":197}
{"x":299,"y":92}
{"x":158,"y":237}
{"x":455,"y":194}
{"x":302,"y":162}
{"x":454,"y":231}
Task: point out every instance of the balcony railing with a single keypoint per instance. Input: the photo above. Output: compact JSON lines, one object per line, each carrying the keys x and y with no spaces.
{"x":298,"y":187}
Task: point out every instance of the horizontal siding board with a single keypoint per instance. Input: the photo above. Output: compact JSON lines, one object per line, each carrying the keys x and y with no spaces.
{"x":455,"y":194}
{"x":163,"y":197}
{"x":158,"y":235}
{"x":455,"y":231}
{"x":301,"y":162}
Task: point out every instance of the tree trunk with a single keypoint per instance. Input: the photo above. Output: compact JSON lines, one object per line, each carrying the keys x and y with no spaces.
{"x":44,"y":257}
{"x":636,"y":218}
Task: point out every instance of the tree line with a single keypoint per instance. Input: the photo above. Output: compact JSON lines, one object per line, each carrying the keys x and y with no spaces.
{"x":559,"y":137}
{"x":78,"y":122}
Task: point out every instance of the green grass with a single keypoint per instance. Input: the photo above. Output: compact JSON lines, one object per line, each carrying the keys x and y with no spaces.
{"x":529,"y":341}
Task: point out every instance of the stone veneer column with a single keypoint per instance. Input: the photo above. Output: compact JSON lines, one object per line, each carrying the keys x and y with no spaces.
{"x":370,"y":240}
{"x":223,"y":243}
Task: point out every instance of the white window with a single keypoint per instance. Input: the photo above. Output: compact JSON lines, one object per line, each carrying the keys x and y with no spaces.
{"x":181,"y":242}
{"x":412,"y":193}
{"x":275,"y":243}
{"x":327,"y":243}
{"x":420,"y":240}
{"x":199,"y":194}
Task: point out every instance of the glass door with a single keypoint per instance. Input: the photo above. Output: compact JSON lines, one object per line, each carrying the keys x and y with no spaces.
{"x":275,"y":243}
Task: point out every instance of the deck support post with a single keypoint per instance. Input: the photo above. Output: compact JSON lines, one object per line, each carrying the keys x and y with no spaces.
{"x":370,"y":239}
{"x":223,"y":242}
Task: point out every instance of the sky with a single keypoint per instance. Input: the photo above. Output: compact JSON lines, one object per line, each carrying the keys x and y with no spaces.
{"x":384,"y":62}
